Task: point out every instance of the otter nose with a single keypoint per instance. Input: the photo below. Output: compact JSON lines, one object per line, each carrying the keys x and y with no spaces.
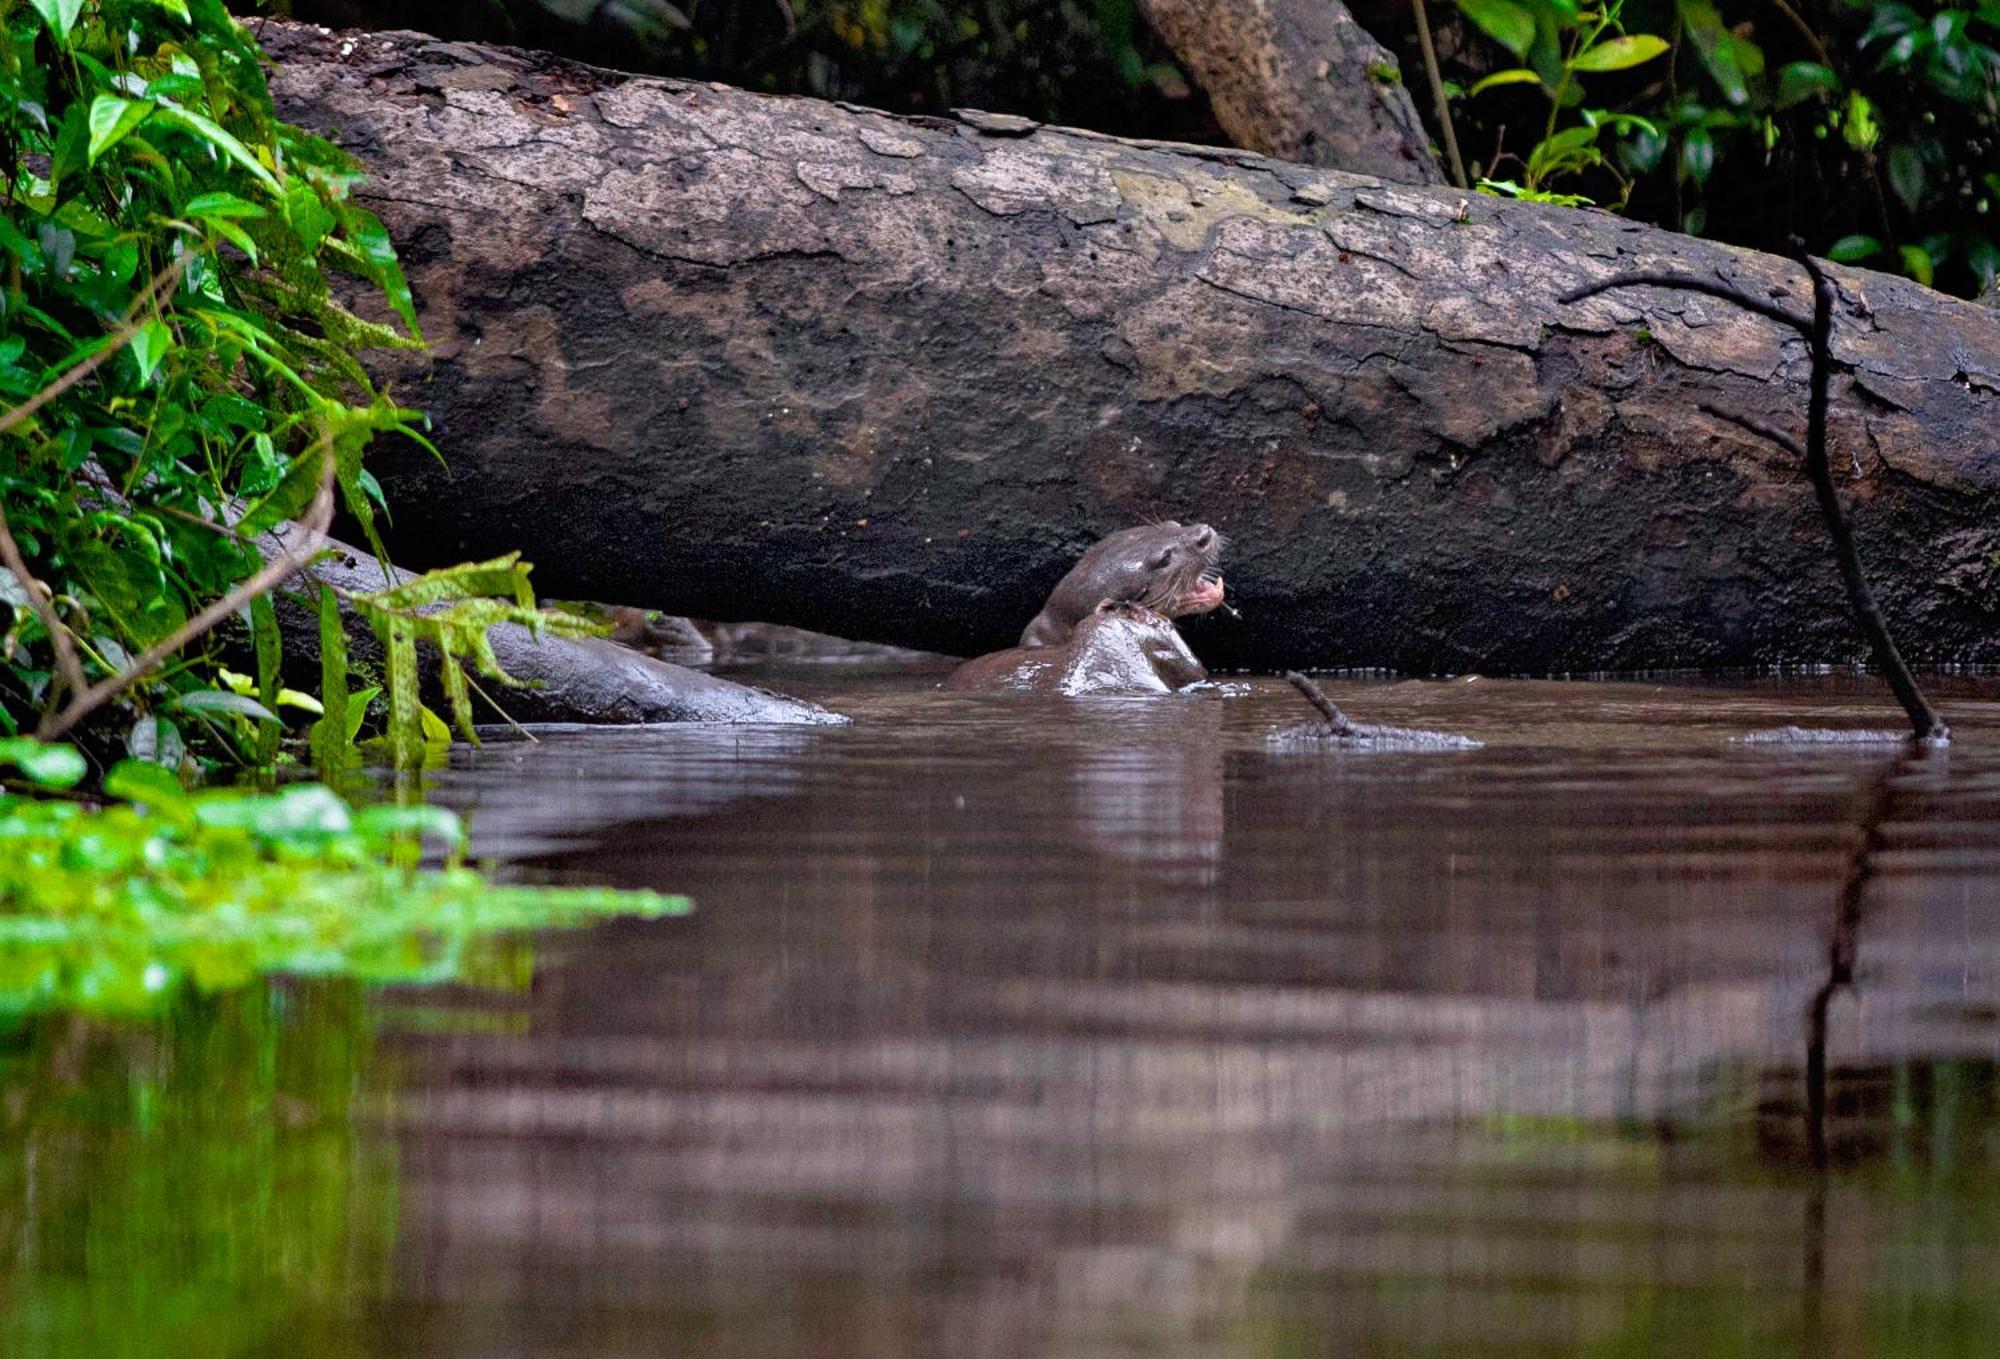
{"x":1203,"y":536}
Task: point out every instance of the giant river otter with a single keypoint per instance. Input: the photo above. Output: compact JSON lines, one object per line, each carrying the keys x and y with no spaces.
{"x":1109,"y":625}
{"x":1168,"y":567}
{"x":1120,"y":648}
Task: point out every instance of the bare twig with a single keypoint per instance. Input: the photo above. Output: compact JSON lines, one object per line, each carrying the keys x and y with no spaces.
{"x":1338,"y":723}
{"x":68,"y":667}
{"x":313,"y":525}
{"x":1924,"y":720}
{"x":1691,"y":283}
{"x":1438,"y":96}
{"x":135,"y":321}
{"x":1925,"y":724}
{"x":1758,"y":428}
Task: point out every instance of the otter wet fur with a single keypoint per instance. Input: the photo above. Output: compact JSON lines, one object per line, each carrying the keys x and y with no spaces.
{"x":1168,"y":568}
{"x":1120,"y":648}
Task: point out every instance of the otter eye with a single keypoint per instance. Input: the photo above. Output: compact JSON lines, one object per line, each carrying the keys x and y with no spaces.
{"x":1160,"y":561}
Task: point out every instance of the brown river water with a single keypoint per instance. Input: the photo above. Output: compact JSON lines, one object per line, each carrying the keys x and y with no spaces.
{"x":1007,"y":1026}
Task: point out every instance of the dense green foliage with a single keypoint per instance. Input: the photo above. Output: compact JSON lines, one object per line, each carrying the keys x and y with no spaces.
{"x":117,"y":909}
{"x":170,"y":240}
{"x":1867,"y":127}
{"x":183,"y":371}
{"x":178,"y":375}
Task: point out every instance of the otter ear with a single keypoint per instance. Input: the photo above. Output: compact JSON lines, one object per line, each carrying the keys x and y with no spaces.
{"x":1106,"y":605}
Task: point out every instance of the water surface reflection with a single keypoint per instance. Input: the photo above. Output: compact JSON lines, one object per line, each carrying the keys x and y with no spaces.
{"x":1009,"y":1027}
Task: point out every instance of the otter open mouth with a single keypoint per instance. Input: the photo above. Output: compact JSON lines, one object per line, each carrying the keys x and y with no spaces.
{"x":1205,"y":596}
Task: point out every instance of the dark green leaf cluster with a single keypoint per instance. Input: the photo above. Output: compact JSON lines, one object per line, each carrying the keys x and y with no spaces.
{"x":173,"y":344}
{"x":115,"y":909}
{"x":1869,"y":127}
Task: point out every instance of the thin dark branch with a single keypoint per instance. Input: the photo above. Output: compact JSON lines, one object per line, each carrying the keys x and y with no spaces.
{"x":1758,"y":428}
{"x":1843,"y":942}
{"x":1693,"y":284}
{"x":1438,"y":96}
{"x":68,"y":666}
{"x":1337,"y":722}
{"x":317,"y":519}
{"x":1925,"y":723}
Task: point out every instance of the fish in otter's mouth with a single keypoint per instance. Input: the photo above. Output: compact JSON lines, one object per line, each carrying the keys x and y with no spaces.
{"x":1166,"y":567}
{"x":1185,"y":576}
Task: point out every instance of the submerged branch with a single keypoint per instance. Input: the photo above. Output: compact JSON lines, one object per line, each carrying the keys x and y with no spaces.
{"x":1338,"y":723}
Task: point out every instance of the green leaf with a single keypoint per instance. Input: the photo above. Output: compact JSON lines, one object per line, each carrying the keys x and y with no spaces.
{"x":1860,"y":128}
{"x":150,"y":344}
{"x":1850,"y":249}
{"x":288,"y":499}
{"x":309,"y":217}
{"x":1982,"y":253}
{"x":235,"y":235}
{"x":505,"y":575}
{"x":156,"y":740}
{"x":1917,"y":263}
{"x":1505,"y":22}
{"x":111,"y":120}
{"x":332,"y":731}
{"x":357,"y":709}
{"x":1716,"y":46}
{"x":222,"y":701}
{"x":406,"y":733}
{"x":436,"y":731}
{"x":177,"y":8}
{"x":302,"y":812}
{"x":149,"y":785}
{"x":59,"y":15}
{"x":1697,"y":154}
{"x":214,"y":134}
{"x":1799,"y":81}
{"x":1618,"y":54}
{"x":1906,"y":175}
{"x":1519,"y":75}
{"x":371,"y":240}
{"x":43,"y":764}
{"x":384,"y":822}
{"x":208,"y":206}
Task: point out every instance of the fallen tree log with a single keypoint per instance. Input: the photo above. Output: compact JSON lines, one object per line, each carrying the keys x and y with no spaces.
{"x":561,"y":679}
{"x":748,"y":357}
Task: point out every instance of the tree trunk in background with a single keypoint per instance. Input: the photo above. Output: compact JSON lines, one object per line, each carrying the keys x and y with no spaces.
{"x":744,"y":357}
{"x":1300,"y":80}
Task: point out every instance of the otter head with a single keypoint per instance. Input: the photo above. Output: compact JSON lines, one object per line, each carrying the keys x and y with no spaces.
{"x":1168,"y":568}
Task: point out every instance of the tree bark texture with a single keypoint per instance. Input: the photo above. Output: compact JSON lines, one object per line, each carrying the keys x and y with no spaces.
{"x":1301,"y":81}
{"x":747,"y":357}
